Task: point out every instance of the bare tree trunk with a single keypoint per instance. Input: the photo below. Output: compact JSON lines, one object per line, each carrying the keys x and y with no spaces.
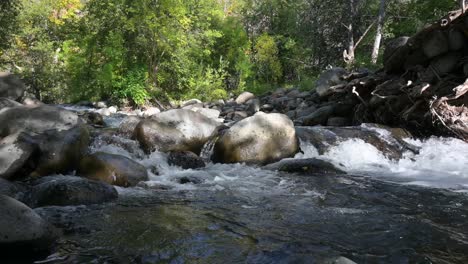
{"x":378,"y":35}
{"x":462,"y":5}
{"x":348,"y":54}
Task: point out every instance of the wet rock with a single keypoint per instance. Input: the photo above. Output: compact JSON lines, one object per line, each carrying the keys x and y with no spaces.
{"x":328,"y":79}
{"x":12,"y":189}
{"x":5,"y":102}
{"x":280,"y":102}
{"x":306,"y":111}
{"x":262,"y":138}
{"x":388,"y":141}
{"x":128,"y":125}
{"x":58,"y":135}
{"x":338,"y":121}
{"x":113,"y":169}
{"x":318,"y":117}
{"x":11,"y":86}
{"x":293,"y":93}
{"x":36,"y":120}
{"x":22,"y":231}
{"x":106,"y":138}
{"x":446,"y":63}
{"x":392,"y":46}
{"x":305,"y":166}
{"x":176,"y":130}
{"x":185,"y":160}
{"x":70,"y":190}
{"x":17,"y":152}
{"x":244,"y":97}
{"x":436,"y":44}
{"x":94,"y":119}
{"x":266,"y":108}
{"x":253,"y":106}
{"x":190,"y":179}
{"x":237,"y":115}
{"x":291,"y":114}
{"x":457,"y":39}
{"x":61,"y":151}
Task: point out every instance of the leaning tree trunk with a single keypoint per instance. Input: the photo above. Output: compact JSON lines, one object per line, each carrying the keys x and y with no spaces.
{"x":378,"y":35}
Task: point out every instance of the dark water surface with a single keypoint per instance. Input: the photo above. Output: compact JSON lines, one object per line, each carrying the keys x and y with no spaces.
{"x":361,"y":218}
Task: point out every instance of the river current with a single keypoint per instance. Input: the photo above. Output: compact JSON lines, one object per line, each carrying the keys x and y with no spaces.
{"x":414,"y":210}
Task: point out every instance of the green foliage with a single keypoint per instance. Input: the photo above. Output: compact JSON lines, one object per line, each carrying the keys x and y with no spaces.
{"x":69,"y":50}
{"x":267,"y":64}
{"x":9,"y":10}
{"x":133,"y":86}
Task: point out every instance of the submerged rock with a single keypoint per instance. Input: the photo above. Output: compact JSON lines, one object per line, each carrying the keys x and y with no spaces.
{"x":22,"y":231}
{"x":70,"y":190}
{"x":176,"y":130}
{"x":113,"y":169}
{"x":305,"y":166}
{"x":262,"y":138}
{"x":185,"y":160}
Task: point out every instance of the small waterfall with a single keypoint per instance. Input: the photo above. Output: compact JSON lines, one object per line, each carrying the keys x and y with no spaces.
{"x":207,"y":149}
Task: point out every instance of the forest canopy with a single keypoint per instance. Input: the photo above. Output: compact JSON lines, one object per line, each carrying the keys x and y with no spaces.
{"x":132,"y":51}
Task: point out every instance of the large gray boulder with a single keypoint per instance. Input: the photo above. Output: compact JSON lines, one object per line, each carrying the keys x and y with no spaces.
{"x":112,"y":169}
{"x":22,"y":231}
{"x":58,"y":134}
{"x":11,"y":86}
{"x":176,"y":130}
{"x":69,"y":190}
{"x":36,"y":119}
{"x":259,"y":139}
{"x":328,"y":79}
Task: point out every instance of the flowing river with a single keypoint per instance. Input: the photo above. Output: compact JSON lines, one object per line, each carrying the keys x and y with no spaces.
{"x":414,"y":210}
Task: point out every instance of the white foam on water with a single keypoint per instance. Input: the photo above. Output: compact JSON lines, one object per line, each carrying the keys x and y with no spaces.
{"x":440,"y":163}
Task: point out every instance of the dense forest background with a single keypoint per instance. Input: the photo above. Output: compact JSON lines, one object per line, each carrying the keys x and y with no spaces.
{"x":132,"y":51}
